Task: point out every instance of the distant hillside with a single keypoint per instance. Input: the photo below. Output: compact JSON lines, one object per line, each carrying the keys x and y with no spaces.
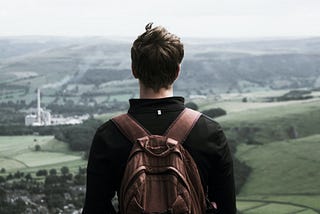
{"x":209,"y":66}
{"x":18,"y":46}
{"x":284,"y":70}
{"x":242,"y":65}
{"x":67,"y":59}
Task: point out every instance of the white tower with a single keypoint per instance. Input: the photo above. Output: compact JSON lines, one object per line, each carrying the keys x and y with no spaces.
{"x":38,"y":107}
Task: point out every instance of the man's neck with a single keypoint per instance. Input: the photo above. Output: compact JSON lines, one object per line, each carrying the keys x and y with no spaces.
{"x":149,"y":93}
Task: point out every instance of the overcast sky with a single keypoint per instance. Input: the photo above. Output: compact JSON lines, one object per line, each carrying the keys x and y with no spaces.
{"x":186,"y":18}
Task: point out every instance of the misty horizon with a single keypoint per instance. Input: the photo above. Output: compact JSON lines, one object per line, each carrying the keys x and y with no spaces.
{"x":201,"y":19}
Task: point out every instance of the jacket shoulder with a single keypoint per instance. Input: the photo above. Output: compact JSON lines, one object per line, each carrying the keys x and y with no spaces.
{"x":205,"y":120}
{"x":207,"y":135}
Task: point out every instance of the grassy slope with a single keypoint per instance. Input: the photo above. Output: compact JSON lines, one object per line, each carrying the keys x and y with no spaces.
{"x":284,"y":167}
{"x":18,"y":153}
{"x":274,"y":122}
{"x":285,"y":170}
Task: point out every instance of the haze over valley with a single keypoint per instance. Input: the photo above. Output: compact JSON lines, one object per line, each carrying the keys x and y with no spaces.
{"x":97,"y":64}
{"x":264,"y":92}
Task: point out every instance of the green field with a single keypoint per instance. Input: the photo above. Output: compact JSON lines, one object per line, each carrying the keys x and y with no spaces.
{"x":273,"y":122}
{"x":19,"y":153}
{"x":284,"y":167}
{"x":285,"y":170}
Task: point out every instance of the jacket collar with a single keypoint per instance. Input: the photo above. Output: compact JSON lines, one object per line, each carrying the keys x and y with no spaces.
{"x":151,"y":105}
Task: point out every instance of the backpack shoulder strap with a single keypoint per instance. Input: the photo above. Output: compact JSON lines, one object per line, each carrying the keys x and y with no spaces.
{"x":178,"y":130}
{"x":129,"y":127}
{"x":181,"y":127}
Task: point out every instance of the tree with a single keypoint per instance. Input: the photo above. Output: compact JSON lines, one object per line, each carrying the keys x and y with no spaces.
{"x":28,"y":177}
{"x":52,"y":172}
{"x":64,"y":170}
{"x":18,"y":174}
{"x":79,"y":179}
{"x":37,"y":147}
{"x":9,"y":177}
{"x":82,"y":171}
{"x":42,"y":172}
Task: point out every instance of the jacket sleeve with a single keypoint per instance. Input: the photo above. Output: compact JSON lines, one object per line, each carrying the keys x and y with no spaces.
{"x":101,"y":178}
{"x":208,"y":145}
{"x":221,"y":186}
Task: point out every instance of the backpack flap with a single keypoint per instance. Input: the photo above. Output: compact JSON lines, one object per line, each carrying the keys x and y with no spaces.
{"x":154,"y":145}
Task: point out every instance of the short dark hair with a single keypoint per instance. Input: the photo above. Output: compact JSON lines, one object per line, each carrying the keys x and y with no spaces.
{"x":156,"y":55}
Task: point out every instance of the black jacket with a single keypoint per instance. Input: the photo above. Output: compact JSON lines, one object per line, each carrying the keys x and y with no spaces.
{"x":206,"y":143}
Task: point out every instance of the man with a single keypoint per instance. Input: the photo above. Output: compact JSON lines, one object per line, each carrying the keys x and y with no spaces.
{"x":156,"y":57}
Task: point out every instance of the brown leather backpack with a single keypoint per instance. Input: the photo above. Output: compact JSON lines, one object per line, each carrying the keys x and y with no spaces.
{"x":160,"y":176}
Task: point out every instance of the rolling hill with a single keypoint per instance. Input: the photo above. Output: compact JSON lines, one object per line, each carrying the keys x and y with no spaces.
{"x":284,"y":167}
{"x":279,"y":141}
{"x":218,"y":66}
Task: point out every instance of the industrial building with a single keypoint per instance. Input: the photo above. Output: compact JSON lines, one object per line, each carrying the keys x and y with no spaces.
{"x":42,"y":117}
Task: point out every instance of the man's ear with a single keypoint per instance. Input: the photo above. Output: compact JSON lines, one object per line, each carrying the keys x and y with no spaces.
{"x":178,"y":71}
{"x":134,"y":72}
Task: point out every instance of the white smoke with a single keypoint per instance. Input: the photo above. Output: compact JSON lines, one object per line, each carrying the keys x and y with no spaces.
{"x":58,"y":84}
{"x":317,"y":82}
{"x":88,"y":62}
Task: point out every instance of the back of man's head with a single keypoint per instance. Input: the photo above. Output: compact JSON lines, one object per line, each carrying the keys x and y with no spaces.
{"x":156,"y":55}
